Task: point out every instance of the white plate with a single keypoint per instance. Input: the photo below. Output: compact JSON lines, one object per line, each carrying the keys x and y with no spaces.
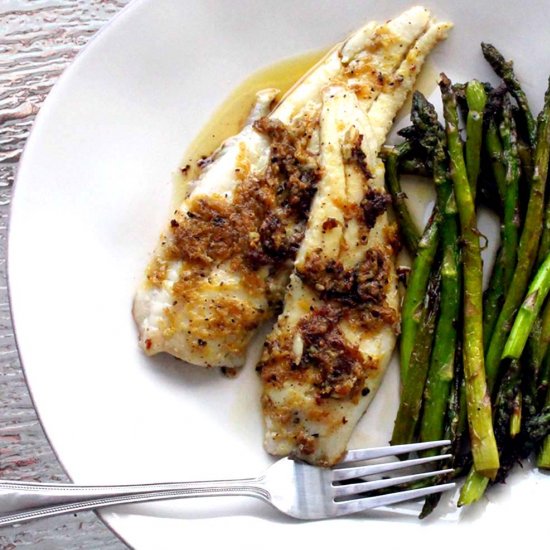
{"x":92,"y":195}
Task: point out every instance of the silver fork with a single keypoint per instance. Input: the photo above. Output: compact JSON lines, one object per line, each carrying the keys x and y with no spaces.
{"x":295,"y":488}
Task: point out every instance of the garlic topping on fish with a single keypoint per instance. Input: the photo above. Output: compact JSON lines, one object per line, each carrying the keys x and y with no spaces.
{"x":224,"y":260}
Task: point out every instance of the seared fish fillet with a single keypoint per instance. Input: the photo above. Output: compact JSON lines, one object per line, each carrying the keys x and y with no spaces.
{"x":225,"y":258}
{"x":328,"y":351}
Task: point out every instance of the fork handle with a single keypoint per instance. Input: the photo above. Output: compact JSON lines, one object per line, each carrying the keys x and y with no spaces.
{"x":24,"y":501}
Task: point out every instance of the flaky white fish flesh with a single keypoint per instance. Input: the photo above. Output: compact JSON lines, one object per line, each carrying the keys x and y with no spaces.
{"x":327,"y":354}
{"x":223,"y":262}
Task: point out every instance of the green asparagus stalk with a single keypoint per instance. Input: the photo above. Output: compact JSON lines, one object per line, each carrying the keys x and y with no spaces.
{"x":457,"y":424}
{"x":526,"y":158}
{"x":539,"y":426}
{"x":507,"y":420}
{"x":411,"y":309}
{"x":505,"y":164}
{"x":544,"y":248}
{"x":491,"y":180}
{"x":475,"y":485}
{"x":528,"y":312}
{"x":413,"y":388}
{"x":414,"y":167}
{"x":515,"y":421}
{"x":528,"y":246}
{"x":504,"y":402}
{"x":493,"y":298}
{"x":543,"y":380}
{"x":543,"y":459}
{"x":505,"y":70}
{"x":409,"y":231}
{"x":536,"y":350}
{"x":476,"y":99}
{"x":443,"y":357}
{"x":441,"y":373}
{"x":483,"y":443}
{"x":495,"y":151}
{"x":510,"y":231}
{"x":544,"y":335}
{"x":473,"y":488}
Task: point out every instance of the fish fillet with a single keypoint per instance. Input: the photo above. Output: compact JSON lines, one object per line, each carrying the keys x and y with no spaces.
{"x":328,"y":351}
{"x":224,"y":260}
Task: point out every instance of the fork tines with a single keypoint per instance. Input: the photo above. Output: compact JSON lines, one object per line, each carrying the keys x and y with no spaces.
{"x":394,"y":450}
{"x":351,"y":496}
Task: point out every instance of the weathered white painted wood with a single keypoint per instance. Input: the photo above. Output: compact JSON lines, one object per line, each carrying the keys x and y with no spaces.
{"x":38,"y":39}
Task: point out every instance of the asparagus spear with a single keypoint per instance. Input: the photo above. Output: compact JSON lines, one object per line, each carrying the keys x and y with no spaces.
{"x":543,"y":379}
{"x":544,"y":248}
{"x":493,"y":298}
{"x":515,"y":420}
{"x":441,"y":373}
{"x":495,"y":151}
{"x":505,"y":165}
{"x":476,"y":99}
{"x":536,"y":350}
{"x":493,"y":146}
{"x":505,"y":70}
{"x":475,"y":485}
{"x":539,"y":425}
{"x":528,"y":246}
{"x":528,"y":312}
{"x":510,"y":231}
{"x":454,"y":431}
{"x":473,"y":488}
{"x":526,"y":158}
{"x":507,"y":392}
{"x":409,"y":231}
{"x":411,"y":396}
{"x":507,"y":417}
{"x":543,"y":460}
{"x":425,"y":133}
{"x":415,"y":167}
{"x":411,"y":309}
{"x":484,"y":448}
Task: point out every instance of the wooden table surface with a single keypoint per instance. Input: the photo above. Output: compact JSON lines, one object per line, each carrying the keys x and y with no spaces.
{"x":38,"y":40}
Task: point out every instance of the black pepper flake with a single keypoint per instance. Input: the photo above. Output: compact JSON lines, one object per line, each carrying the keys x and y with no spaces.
{"x":365,"y":391}
{"x":201,"y":342}
{"x":230,"y":372}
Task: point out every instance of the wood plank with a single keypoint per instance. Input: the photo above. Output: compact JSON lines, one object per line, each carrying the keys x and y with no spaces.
{"x":38,"y":40}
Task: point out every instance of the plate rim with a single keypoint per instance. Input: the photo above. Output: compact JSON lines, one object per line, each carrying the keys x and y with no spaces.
{"x":21,"y":167}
